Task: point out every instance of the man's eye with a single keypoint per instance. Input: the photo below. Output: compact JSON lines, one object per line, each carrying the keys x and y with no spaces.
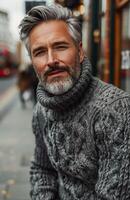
{"x":38,"y":53}
{"x":61,"y":47}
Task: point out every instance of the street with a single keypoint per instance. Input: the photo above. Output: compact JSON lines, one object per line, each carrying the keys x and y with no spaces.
{"x":5,"y":83}
{"x":16,"y":145}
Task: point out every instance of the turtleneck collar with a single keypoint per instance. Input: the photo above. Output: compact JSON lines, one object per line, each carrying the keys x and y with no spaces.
{"x":70,"y":98}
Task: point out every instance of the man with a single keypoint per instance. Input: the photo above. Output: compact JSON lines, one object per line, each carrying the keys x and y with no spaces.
{"x":81,"y":124}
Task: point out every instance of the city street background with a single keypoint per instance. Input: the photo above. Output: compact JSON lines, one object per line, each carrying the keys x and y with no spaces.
{"x":16,"y":143}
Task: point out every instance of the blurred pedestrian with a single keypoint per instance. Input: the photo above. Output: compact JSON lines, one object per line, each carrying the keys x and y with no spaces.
{"x":23,"y":84}
{"x":27,"y":84}
{"x":81,"y":124}
{"x":33,"y":82}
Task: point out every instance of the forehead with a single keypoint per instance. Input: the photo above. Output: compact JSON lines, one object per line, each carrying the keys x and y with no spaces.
{"x":49,"y":31}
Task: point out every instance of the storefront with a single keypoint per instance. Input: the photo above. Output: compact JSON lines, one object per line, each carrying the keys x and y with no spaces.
{"x":102,"y":39}
{"x":110,"y":41}
{"x":125,"y":48}
{"x":101,"y":62}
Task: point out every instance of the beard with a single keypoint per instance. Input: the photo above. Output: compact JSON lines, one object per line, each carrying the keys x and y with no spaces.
{"x":59,"y":85}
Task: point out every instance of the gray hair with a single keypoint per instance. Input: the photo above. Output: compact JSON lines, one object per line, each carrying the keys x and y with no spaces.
{"x":43,"y":13}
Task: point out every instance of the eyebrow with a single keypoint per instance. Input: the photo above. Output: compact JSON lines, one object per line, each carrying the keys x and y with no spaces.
{"x":54,"y":44}
{"x":59,"y":43}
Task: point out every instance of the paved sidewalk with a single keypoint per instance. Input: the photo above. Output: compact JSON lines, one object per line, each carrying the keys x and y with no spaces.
{"x":6,"y":100}
{"x":16,"y":148}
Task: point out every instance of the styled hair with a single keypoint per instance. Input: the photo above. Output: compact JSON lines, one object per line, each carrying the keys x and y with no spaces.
{"x":43,"y":13}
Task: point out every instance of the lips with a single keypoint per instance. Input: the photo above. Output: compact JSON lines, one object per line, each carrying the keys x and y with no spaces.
{"x":55,"y":72}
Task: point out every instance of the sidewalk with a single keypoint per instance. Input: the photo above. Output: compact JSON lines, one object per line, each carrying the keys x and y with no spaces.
{"x":16,"y":148}
{"x":6,"y":100}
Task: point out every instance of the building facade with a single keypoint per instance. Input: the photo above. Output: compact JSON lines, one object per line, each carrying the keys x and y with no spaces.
{"x":4,"y":29}
{"x":110,"y":41}
{"x":122,"y":44}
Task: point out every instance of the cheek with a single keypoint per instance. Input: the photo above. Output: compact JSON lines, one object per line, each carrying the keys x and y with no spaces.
{"x":72,"y":60}
{"x":68,"y":54}
{"x":38,"y":65}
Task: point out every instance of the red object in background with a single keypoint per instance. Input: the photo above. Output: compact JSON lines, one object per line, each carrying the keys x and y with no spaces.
{"x":5,"y":72}
{"x":5,"y":65}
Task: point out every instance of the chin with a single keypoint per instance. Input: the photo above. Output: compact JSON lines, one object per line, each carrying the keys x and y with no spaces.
{"x":57,"y":79}
{"x":59,"y":87}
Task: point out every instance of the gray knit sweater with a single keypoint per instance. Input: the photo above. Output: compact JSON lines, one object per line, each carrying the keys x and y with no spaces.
{"x":82,"y":147}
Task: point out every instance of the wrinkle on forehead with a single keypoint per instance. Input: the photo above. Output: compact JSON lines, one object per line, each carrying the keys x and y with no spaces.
{"x":49,"y":32}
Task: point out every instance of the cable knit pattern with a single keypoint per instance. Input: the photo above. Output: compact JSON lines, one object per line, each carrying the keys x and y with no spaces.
{"x":82,"y":142}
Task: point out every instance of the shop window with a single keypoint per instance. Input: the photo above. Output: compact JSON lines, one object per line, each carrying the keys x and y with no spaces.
{"x":103,"y":6}
{"x":102,"y":25}
{"x":125,"y":49}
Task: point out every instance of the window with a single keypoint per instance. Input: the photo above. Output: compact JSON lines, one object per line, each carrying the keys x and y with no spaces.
{"x":125,"y":49}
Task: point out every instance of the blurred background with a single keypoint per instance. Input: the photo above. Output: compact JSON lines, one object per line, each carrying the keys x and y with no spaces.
{"x":106,"y":41}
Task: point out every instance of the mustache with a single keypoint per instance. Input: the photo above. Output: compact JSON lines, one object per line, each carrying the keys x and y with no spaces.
{"x":56,"y":68}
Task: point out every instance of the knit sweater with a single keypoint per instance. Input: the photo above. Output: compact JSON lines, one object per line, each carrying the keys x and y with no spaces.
{"x":82,"y":139}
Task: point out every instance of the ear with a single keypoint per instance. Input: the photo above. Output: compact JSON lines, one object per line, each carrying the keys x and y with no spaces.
{"x":81,"y":52}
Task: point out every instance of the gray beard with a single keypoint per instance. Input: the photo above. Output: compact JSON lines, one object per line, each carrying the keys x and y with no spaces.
{"x":59,"y":87}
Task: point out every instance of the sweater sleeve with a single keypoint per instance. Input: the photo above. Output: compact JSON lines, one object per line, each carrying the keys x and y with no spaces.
{"x":113,"y":146}
{"x":43,"y":177}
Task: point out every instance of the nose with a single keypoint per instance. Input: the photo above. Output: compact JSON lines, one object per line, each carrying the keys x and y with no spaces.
{"x":52,"y":59}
